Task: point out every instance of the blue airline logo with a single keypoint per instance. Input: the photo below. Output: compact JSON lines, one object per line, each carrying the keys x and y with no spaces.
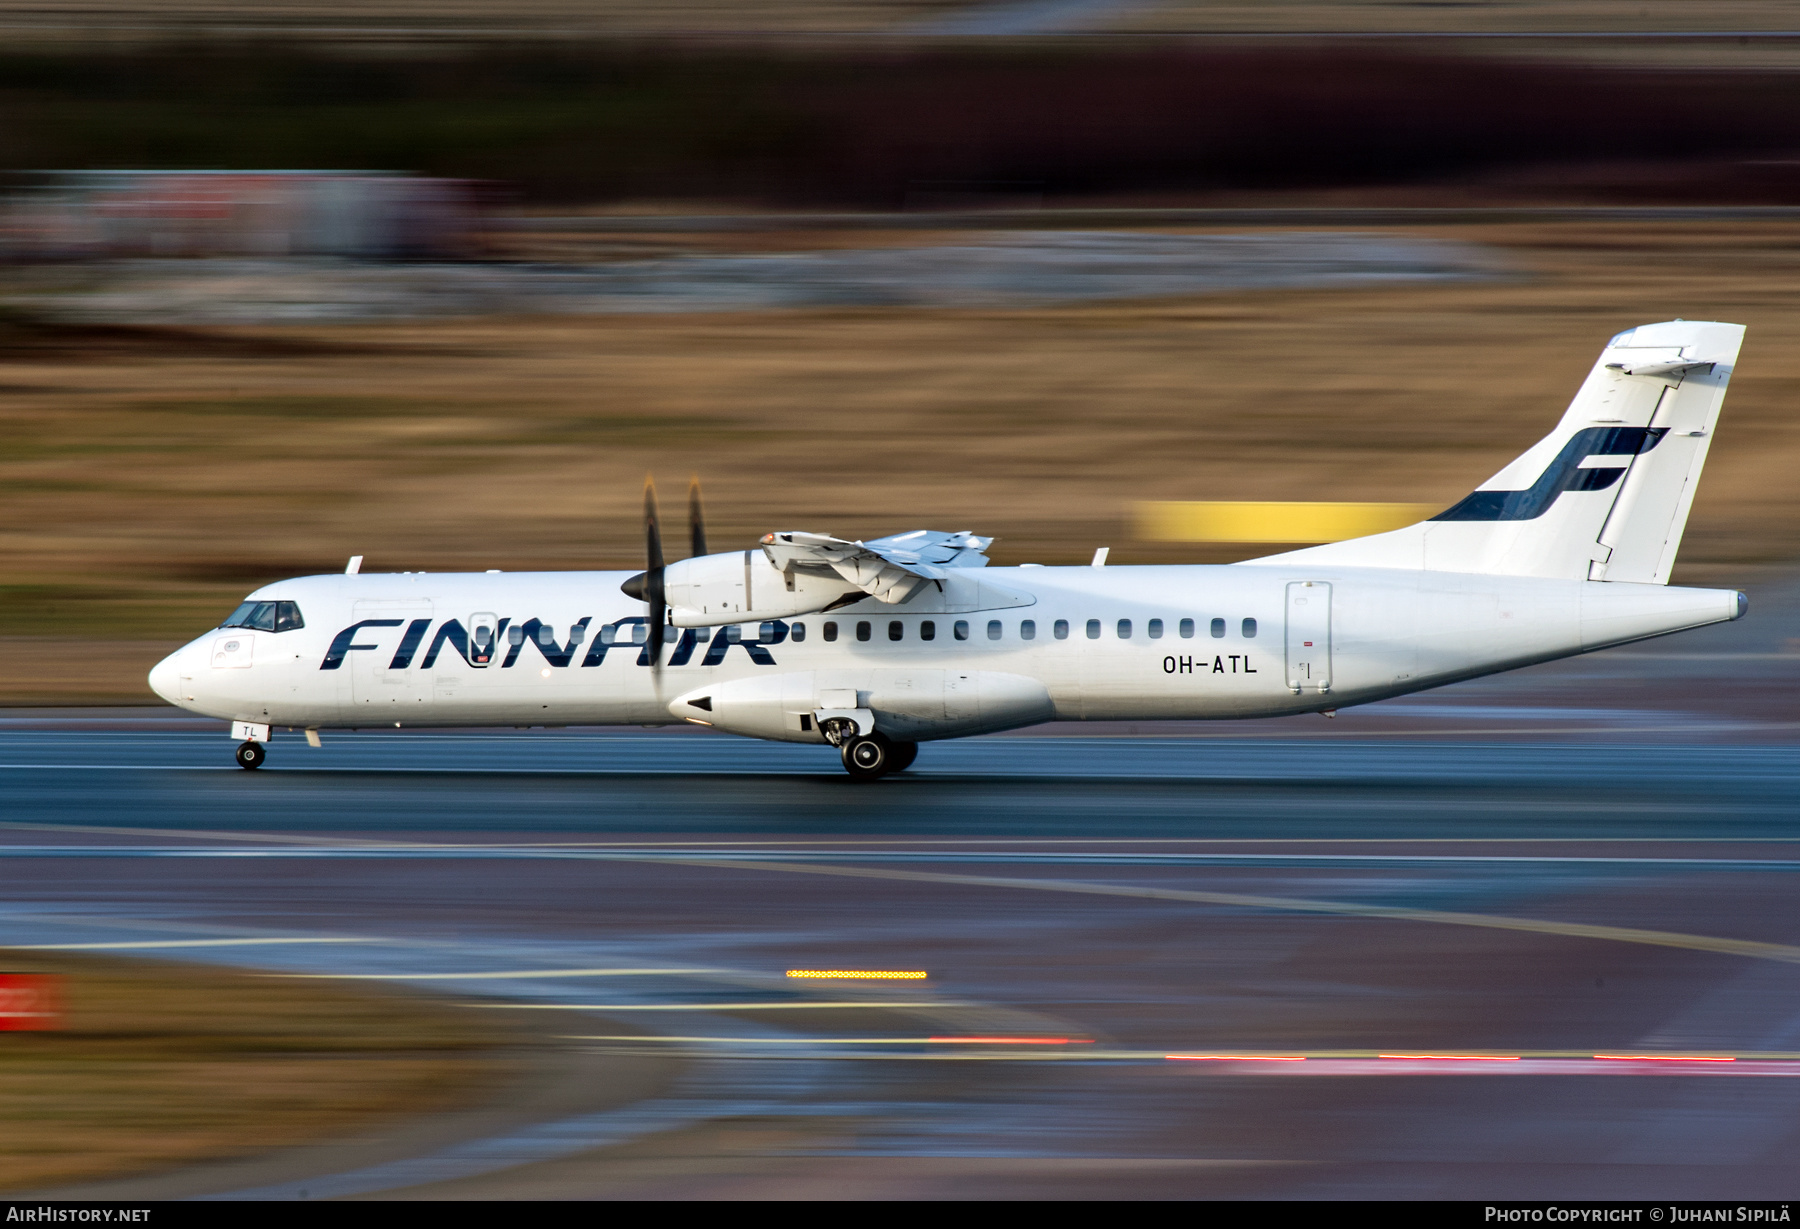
{"x":1564,"y":473}
{"x":534,"y":632}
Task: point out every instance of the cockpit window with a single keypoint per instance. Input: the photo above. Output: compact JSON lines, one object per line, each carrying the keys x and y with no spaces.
{"x":267,"y":617}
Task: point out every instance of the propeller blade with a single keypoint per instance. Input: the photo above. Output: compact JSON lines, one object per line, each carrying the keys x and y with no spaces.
{"x":696,"y":519}
{"x":653,"y":575}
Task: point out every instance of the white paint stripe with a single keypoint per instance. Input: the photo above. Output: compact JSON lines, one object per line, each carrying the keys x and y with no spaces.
{"x":826,"y":856}
{"x":503,"y":975}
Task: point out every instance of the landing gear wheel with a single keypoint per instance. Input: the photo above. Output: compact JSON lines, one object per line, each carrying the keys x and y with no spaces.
{"x":868,"y":756}
{"x":251,"y":755}
{"x":903,"y":755}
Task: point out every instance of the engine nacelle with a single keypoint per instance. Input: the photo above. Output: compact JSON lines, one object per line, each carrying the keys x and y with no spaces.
{"x":743,"y":587}
{"x":906,"y":705}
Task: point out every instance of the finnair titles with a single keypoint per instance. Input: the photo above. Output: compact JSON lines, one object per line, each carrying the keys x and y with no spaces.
{"x":875,"y":647}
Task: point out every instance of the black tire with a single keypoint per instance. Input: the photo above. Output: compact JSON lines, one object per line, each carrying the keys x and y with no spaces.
{"x":868,"y":757}
{"x":904,"y":754}
{"x":251,"y":755}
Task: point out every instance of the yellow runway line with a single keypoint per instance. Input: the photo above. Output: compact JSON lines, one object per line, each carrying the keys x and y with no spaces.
{"x":1271,"y":521}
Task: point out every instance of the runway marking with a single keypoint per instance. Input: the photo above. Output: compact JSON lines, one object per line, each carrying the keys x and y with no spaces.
{"x":723,"y":1008}
{"x":1010,"y":1041}
{"x":877,"y":843}
{"x":1455,"y":1058}
{"x":1238,"y":1058}
{"x":1667,"y":1058}
{"x":149,"y":943}
{"x":667,"y":1039}
{"x":1328,"y":1063}
{"x":652,"y":853}
{"x":1752,"y":948}
{"x":504,"y":975}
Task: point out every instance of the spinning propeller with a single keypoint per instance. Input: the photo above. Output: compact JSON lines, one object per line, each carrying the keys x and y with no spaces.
{"x":647,"y":585}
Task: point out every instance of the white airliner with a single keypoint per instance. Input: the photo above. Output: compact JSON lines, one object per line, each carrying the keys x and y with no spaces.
{"x":875,"y":647}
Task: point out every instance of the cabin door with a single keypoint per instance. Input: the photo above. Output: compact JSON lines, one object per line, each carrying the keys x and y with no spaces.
{"x":1309,"y":636}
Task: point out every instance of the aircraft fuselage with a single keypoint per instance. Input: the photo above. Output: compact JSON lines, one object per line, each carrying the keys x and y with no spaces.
{"x":1089,"y":643}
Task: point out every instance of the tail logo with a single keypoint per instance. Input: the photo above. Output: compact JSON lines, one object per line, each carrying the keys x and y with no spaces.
{"x":1562,"y":474}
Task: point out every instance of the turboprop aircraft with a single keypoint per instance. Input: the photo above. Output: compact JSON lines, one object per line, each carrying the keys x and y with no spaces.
{"x":874,"y":647}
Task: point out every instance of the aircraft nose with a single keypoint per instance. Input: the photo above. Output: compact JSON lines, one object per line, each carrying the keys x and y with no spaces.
{"x":165,"y":678}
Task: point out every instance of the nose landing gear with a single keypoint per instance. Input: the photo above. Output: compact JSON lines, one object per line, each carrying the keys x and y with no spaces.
{"x":251,"y":755}
{"x":870,"y":756}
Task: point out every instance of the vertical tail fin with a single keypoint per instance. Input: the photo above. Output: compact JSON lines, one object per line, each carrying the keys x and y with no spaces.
{"x":1606,"y":495}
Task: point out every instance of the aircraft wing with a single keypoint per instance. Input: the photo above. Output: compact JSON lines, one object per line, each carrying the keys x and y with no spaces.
{"x":888,"y":569}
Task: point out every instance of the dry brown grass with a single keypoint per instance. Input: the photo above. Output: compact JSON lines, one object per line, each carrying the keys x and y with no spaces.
{"x":148,"y":480}
{"x":163,"y":1065}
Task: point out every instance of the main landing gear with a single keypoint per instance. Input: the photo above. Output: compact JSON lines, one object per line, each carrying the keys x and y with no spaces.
{"x":869,"y":756}
{"x":251,"y":755}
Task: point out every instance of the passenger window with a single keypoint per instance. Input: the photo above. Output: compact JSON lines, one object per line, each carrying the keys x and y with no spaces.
{"x":577,"y":634}
{"x":546,"y":634}
{"x":1154,"y":627}
{"x":961,"y":629}
{"x":701,"y":635}
{"x":1249,"y":629}
{"x":1218,"y":629}
{"x":1061,"y":630}
{"x":287,"y":617}
{"x":1028,"y":630}
{"x":928,"y":630}
{"x":863,"y":631}
{"x":896,"y":630}
{"x":484,"y":636}
{"x":797,"y":632}
{"x":1093,"y":629}
{"x":608,"y":635}
{"x":515,"y":635}
{"x":993,"y":629}
{"x":639,"y":634}
{"x":1124,"y":629}
{"x":732,"y":632}
{"x":830,"y":631}
{"x":765,"y":632}
{"x":1187,"y":629}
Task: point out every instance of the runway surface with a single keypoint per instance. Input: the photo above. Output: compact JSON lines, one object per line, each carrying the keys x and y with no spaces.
{"x":1516,"y":968}
{"x":1533,"y":937}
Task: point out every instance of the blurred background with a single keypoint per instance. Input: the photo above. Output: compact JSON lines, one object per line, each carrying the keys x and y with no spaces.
{"x":438,"y":283}
{"x":282,"y":283}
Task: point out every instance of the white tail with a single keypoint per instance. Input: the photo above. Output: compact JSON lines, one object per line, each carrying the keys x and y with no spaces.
{"x":1606,"y":495}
